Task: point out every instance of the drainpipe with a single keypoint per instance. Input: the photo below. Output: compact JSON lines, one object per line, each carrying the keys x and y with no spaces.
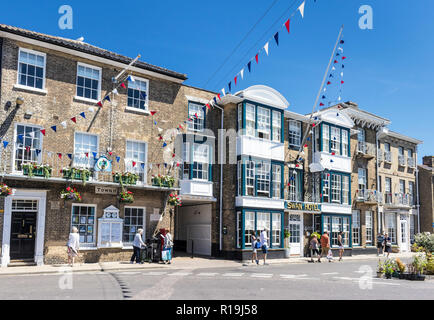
{"x":221,"y":179}
{"x":378,"y":181}
{"x":417,"y":192}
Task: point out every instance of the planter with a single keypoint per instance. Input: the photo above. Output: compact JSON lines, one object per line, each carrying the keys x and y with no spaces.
{"x":395,"y":274}
{"x":379,"y":274}
{"x":38,"y":172}
{"x":75,"y":176}
{"x":287,"y":252}
{"x":388,"y":276}
{"x":125,"y":180}
{"x":402,"y":276}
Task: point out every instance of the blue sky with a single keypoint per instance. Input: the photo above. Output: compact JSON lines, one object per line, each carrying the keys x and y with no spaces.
{"x":388,"y":71}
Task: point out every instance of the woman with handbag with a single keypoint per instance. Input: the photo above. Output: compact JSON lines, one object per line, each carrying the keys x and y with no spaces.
{"x":73,"y":245}
{"x":168,"y":245}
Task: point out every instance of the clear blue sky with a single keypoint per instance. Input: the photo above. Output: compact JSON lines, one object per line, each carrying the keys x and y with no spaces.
{"x":389,"y":70}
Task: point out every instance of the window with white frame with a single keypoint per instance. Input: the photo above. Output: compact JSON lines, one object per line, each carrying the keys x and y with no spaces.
{"x":250,"y":178}
{"x":28,"y":145}
{"x":249,"y":227}
{"x":239,"y":229}
{"x":250,"y":120}
{"x":356,"y":227}
{"x":83,"y":218}
{"x":240,"y":118}
{"x":402,"y":186}
{"x":362,"y":180}
{"x":336,"y":188}
{"x":326,"y":187}
{"x":294,"y":131}
{"x":200,"y":162}
{"x":391,"y":226}
{"x":276,"y":231}
{"x":85,"y":145}
{"x":345,"y":143}
{"x":263,"y":123}
{"x":277,"y":126}
{"x":294,"y":228}
{"x":197,"y":116}
{"x":368,"y":223}
{"x":277,"y":181}
{"x":88,"y":82}
{"x":325,"y":138}
{"x":133,"y":220}
{"x":346,"y":231}
{"x":136,"y":152}
{"x":239,"y":178}
{"x":138,"y":91}
{"x":327,"y":223}
{"x":262,"y":222}
{"x":411,"y":192}
{"x":263,"y":178}
{"x":185,"y":169}
{"x":31,"y":68}
{"x":345,"y":189}
{"x":361,"y":135}
{"x":293,"y":186}
{"x":335,"y":140}
{"x":336,"y":229}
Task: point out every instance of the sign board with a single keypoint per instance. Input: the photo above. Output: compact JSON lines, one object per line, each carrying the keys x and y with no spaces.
{"x":106,"y":190}
{"x":55,"y":205}
{"x":103,"y":164}
{"x":303,"y":206}
{"x":155,"y":217}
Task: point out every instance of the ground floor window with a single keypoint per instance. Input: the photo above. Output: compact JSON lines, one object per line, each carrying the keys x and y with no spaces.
{"x":412,"y":218}
{"x":334,"y":224}
{"x":356,"y":227}
{"x":252,"y":222}
{"x":133,"y":220}
{"x":368,"y":224}
{"x":391,"y":226}
{"x":294,"y":228}
{"x":83,"y":218}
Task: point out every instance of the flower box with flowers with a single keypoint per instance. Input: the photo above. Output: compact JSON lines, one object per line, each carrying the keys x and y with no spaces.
{"x":126,"y":197}
{"x":5,"y":190}
{"x":163,"y":181}
{"x":70,"y":193}
{"x":174,"y":200}
{"x":125,"y":178}
{"x":37,"y":170}
{"x":76,"y":174}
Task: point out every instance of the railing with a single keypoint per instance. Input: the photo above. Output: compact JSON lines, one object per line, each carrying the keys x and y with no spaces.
{"x":399,"y":199}
{"x":387,"y":156}
{"x":380,"y":155}
{"x":367,"y":195}
{"x":366,"y":148}
{"x":401,"y":160}
{"x":411,"y":162}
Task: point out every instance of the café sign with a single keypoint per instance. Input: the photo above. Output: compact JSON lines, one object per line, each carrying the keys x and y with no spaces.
{"x":303,"y":206}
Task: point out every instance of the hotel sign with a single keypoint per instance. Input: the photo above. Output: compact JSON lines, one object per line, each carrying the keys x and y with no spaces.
{"x":303,"y":206}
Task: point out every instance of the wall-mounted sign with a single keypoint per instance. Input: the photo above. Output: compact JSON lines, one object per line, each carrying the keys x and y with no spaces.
{"x":155,"y":217}
{"x":303,"y":206}
{"x":106,"y":190}
{"x":103,"y":164}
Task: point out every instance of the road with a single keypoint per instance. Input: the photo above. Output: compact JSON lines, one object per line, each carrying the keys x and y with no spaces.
{"x":336,"y":280}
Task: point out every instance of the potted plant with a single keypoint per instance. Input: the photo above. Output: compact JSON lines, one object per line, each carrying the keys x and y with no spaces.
{"x":380,"y":269}
{"x":70,"y":193}
{"x":126,"y":197}
{"x":125,"y":178}
{"x":5,"y":190}
{"x":401,"y":267}
{"x":163,"y":181}
{"x":286,"y":235}
{"x":174,"y":200}
{"x":38,"y":170}
{"x":82,"y":174}
{"x":388,"y":268}
{"x":419,"y":264}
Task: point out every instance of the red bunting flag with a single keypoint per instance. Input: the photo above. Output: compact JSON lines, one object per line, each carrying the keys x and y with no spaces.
{"x":160,"y":138}
{"x":180,"y":127}
{"x":218,"y":95}
{"x":28,"y":148}
{"x":336,"y":61}
{"x":297,"y":165}
{"x":74,"y":119}
{"x":177,"y":164}
{"x":256,"y":57}
{"x":305,"y":145}
{"x":321,"y":104}
{"x":287,"y":25}
{"x":343,"y":58}
{"x":123,"y":85}
{"x":328,"y":82}
{"x":196,"y":115}
{"x":110,"y":153}
{"x":342,"y":81}
{"x":59,"y":155}
{"x":87,"y":154}
{"x":313,"y":124}
{"x":208,"y":106}
{"x":288,"y":184}
{"x":43,"y":131}
{"x":333,"y":153}
{"x":173,"y":155}
{"x":134,"y":163}
{"x":153,"y":112}
{"x":235,"y":80}
{"x":99,"y":103}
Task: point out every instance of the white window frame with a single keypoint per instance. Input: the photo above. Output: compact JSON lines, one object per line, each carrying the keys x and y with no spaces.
{"x":95,"y":218}
{"x":263,"y":169}
{"x":127,"y":243}
{"x":277,"y":126}
{"x":391,"y":226}
{"x":326,"y":187}
{"x":249,"y":168}
{"x":38,"y":53}
{"x":362,"y":181}
{"x":345,"y":189}
{"x":250,"y":123}
{"x":335,"y":144}
{"x":263,"y":221}
{"x":90,"y":157}
{"x":276,"y":233}
{"x":277,"y":181}
{"x":336,"y":188}
{"x":240,"y":118}
{"x":355,"y":228}
{"x":247,"y":236}
{"x":206,"y":164}
{"x":138,"y":168}
{"x":294,"y":133}
{"x":77,"y":97}
{"x":239,"y":178}
{"x":198,"y":122}
{"x":293,"y":186}
{"x":368,"y":225}
{"x":344,"y":143}
{"x":41,"y":138}
{"x":146,"y":98}
{"x":239,"y":229}
{"x":326,"y":138}
{"x":264,"y":126}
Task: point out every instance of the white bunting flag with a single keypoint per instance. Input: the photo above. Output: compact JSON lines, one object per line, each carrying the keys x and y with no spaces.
{"x":49,"y":154}
{"x":91,"y":109}
{"x":333,"y":68}
{"x":160,"y":130}
{"x":342,"y":50}
{"x":64,"y":125}
{"x":342,"y":74}
{"x":301,"y":8}
{"x":266,"y":48}
{"x":223,"y":90}
{"x":339,"y":98}
{"x":115,"y":91}
{"x":242,"y":73}
{"x":32,"y":134}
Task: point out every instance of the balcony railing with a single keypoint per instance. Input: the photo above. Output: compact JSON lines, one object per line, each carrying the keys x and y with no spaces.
{"x":411,"y":162}
{"x":387,"y":156}
{"x":367,"y":195}
{"x":399,"y":199}
{"x":365,"y":148}
{"x":401,"y":160}
{"x":380,"y":156}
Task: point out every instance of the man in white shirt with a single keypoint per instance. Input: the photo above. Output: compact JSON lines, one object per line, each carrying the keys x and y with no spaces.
{"x":264,"y":243}
{"x":137,"y":245}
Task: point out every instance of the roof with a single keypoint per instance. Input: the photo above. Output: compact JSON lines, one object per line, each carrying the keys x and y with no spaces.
{"x":89,"y":49}
{"x":264,"y":94}
{"x":428,"y":168}
{"x":400,"y":136}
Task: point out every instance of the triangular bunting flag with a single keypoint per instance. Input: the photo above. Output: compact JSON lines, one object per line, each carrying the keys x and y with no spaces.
{"x":142,"y":165}
{"x":208,"y":106}
{"x":218,"y":95}
{"x":301,"y":9}
{"x":249,"y":65}
{"x":115,"y":91}
{"x":343,"y":58}
{"x":20,"y":137}
{"x":38,"y":151}
{"x":235,"y":80}
{"x":99,"y":103}
{"x":107,"y":98}
{"x":59,"y":155}
{"x":54,"y":128}
{"x":342,"y":81}
{"x":83,"y":115}
{"x":5,"y":144}
{"x":86,"y":154}
{"x":123,"y":85}
{"x":223,"y":91}
{"x":242,"y":73}
{"x":153,"y":112}
{"x":70,"y":156}
{"x":257,"y":58}
{"x":134,"y":164}
{"x":110,"y":153}
{"x":94,"y":154}
{"x":73,"y":119}
{"x":266,"y":48}
{"x":130,"y":78}
{"x":215,"y":100}
{"x":276,"y":37}
{"x":91,"y":109}
{"x":164,"y":144}
{"x":287,"y":25}
{"x":118,"y":159}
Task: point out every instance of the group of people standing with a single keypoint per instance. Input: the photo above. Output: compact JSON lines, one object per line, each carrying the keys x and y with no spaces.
{"x":260,"y":242}
{"x":314,"y":245}
{"x":384,"y":244}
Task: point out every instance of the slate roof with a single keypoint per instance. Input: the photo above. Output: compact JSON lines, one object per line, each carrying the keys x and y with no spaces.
{"x":89,"y":49}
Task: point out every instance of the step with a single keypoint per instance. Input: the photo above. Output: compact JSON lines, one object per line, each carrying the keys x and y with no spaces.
{"x":22,"y":263}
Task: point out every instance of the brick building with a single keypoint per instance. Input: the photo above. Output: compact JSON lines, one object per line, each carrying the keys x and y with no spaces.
{"x":50,"y":87}
{"x":426,"y":194}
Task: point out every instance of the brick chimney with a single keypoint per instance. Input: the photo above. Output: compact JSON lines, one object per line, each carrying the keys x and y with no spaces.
{"x":428,"y":161}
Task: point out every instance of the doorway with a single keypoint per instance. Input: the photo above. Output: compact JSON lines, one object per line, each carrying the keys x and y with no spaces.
{"x":23,"y":229}
{"x":294,"y":228}
{"x":404,"y":236}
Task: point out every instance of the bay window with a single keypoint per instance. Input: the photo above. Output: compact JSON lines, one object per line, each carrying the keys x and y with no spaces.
{"x":250,"y":178}
{"x":345,"y":143}
{"x":277,"y":126}
{"x":335,"y":143}
{"x":334,"y":139}
{"x":345,"y":189}
{"x":326,"y":187}
{"x":325,"y":138}
{"x":277,"y":181}
{"x":336,"y":188}
{"x":263,"y":178}
{"x":263,"y":123}
{"x":200,"y":161}
{"x":276,"y":230}
{"x":250,"y":119}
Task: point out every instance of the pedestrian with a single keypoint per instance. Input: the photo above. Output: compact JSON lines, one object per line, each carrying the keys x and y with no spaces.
{"x":325,"y":245}
{"x":380,"y":243}
{"x":137,"y":245}
{"x":168,"y":246}
{"x":255,"y":244}
{"x":341,"y":245}
{"x":387,"y":244}
{"x":314,"y":247}
{"x":73,"y":245}
{"x":264,"y":244}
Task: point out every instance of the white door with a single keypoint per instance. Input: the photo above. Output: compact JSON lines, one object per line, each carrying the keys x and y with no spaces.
{"x":404,"y":236}
{"x":295,"y":241}
{"x":199,"y":239}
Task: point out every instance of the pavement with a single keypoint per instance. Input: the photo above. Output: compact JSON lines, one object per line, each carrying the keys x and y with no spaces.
{"x":177,"y":263}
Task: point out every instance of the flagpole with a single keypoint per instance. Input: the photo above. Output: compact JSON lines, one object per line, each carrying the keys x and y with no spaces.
{"x":319,"y":92}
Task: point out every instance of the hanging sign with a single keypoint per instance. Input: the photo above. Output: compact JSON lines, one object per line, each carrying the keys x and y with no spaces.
{"x":103,"y":164}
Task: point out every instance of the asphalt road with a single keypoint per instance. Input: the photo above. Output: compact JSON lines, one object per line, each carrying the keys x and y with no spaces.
{"x":336,"y":280}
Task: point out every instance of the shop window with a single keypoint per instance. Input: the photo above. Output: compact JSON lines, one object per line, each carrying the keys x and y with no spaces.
{"x":83,"y":218}
{"x":133,"y":220}
{"x":249,"y":228}
{"x":276,"y":231}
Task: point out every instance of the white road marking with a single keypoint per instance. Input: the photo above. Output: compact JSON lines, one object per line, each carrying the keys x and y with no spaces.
{"x":128,"y":272}
{"x":347,"y":278}
{"x":292,"y":276}
{"x":261,"y":275}
{"x":181,"y":274}
{"x":233,"y":274}
{"x":207,"y":274}
{"x":329,"y":273}
{"x":154,"y":273}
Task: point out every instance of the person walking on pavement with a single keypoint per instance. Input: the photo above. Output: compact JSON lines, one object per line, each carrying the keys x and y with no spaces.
{"x":255,"y":244}
{"x":387,"y":244}
{"x":264,"y":244}
{"x":137,"y":245}
{"x":380,"y":243}
{"x":168,"y":245}
{"x":73,"y":245}
{"x":314,"y":247}
{"x":341,"y":245}
{"x":325,"y":245}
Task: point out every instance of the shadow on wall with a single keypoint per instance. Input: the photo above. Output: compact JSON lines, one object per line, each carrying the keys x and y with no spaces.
{"x":8,"y":121}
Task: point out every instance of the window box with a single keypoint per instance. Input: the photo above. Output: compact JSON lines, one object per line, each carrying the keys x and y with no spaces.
{"x":163,"y":181}
{"x":76,"y":174}
{"x":125,"y":178}
{"x":36,"y":170}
